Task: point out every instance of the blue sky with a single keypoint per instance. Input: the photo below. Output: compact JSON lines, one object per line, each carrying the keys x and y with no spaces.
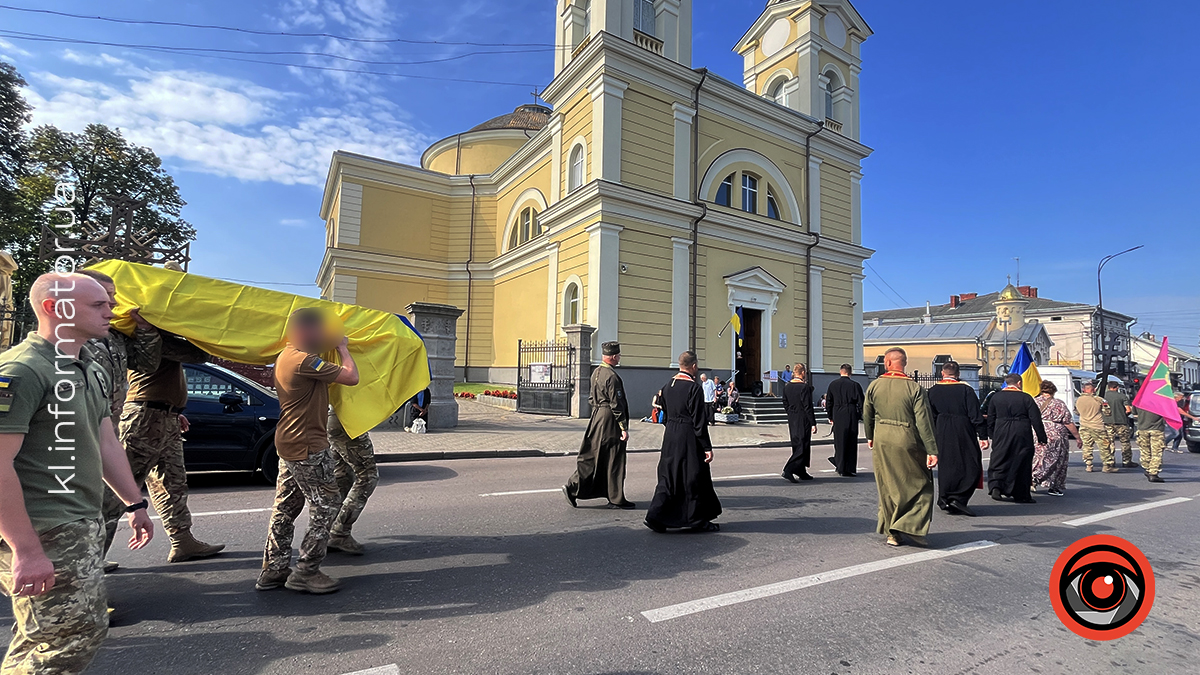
{"x":1054,"y":132}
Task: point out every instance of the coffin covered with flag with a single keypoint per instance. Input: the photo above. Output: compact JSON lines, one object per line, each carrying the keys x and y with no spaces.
{"x":248,"y":325}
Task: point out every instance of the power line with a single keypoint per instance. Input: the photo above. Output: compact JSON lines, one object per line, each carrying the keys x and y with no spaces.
{"x":55,"y":38}
{"x":285,"y":65}
{"x":881,"y":292}
{"x":901,"y":297}
{"x":251,"y":31}
{"x":264,"y":283}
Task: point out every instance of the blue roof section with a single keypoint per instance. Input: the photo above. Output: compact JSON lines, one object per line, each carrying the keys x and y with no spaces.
{"x":926,"y":332}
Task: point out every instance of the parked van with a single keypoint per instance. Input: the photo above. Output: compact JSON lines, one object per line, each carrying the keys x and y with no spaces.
{"x":1070,"y":383}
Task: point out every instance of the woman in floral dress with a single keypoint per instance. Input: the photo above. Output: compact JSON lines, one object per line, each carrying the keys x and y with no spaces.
{"x":1050,"y":460}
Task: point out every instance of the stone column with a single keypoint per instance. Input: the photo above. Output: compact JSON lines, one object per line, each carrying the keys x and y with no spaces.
{"x":579,"y":336}
{"x":438,"y":324}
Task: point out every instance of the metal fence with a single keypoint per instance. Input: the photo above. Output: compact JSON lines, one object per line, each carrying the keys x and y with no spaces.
{"x":987,"y":384}
{"x":15,"y":324}
{"x":544,"y":377}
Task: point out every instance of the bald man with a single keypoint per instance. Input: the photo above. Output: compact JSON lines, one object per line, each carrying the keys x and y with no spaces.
{"x":57,"y":450}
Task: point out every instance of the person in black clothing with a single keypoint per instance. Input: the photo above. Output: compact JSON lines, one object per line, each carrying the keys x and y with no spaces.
{"x":685,"y":497}
{"x":844,"y":404}
{"x":802,"y":423}
{"x":417,"y":408}
{"x":1013,"y":418}
{"x":961,"y":436}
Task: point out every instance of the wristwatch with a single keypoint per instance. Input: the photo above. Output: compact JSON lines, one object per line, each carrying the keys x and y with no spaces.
{"x":140,"y":505}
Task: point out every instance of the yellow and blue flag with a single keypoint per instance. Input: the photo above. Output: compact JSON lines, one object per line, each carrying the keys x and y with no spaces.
{"x":1024,"y":365}
{"x":736,"y":322}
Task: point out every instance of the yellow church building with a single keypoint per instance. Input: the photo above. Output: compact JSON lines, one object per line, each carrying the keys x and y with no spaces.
{"x":647,"y":199}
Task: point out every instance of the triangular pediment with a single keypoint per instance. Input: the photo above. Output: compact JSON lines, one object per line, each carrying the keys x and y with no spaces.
{"x":782,"y":8}
{"x":755,"y":278}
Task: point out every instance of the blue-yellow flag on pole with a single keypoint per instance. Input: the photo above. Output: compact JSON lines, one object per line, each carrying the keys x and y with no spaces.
{"x":1024,"y":365}
{"x":736,"y":322}
{"x":248,"y":325}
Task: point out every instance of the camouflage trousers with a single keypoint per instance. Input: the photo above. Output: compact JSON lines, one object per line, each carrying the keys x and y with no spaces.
{"x":59,"y":633}
{"x":357,"y":475}
{"x":1100,"y":439}
{"x":1151,"y":444}
{"x":155,"y":450}
{"x":313,"y":481}
{"x":1122,"y":433}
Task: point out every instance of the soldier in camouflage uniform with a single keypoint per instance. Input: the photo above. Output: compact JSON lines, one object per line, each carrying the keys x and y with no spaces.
{"x":1151,"y":441}
{"x":50,"y":556}
{"x":118,"y":353}
{"x":357,"y":477}
{"x":1091,"y":410}
{"x":1116,"y":421}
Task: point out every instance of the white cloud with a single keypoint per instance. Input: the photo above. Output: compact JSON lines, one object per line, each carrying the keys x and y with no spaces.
{"x":227,"y":127}
{"x":10,"y":48}
{"x":293,"y":222}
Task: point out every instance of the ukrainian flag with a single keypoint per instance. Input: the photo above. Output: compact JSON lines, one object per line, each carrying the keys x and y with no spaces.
{"x":1024,"y":365}
{"x":736,"y":322}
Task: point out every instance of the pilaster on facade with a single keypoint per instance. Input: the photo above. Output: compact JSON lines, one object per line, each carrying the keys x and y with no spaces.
{"x":814,"y":194}
{"x":345,"y":289}
{"x":808,"y":72}
{"x":856,"y":208}
{"x":608,"y":97}
{"x":684,"y":118}
{"x":552,"y":290}
{"x":857,"y":359}
{"x":604,"y":269}
{"x":681,"y":267}
{"x":556,"y":158}
{"x":349,"y":220}
{"x":672,"y":31}
{"x":855,"y":69}
{"x":816,"y":329}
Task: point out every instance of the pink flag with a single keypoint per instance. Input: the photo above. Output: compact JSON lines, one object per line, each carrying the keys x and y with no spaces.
{"x":1156,"y":395}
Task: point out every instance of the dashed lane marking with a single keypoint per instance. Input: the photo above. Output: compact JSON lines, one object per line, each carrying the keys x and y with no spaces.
{"x":520,"y":492}
{"x":751,"y":594}
{"x":391,"y":669}
{"x":1127,"y":510}
{"x":222,"y":513}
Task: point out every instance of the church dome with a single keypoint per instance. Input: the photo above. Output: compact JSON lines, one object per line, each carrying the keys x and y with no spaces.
{"x":531,"y":117}
{"x":484,"y":147}
{"x":1010,"y":293}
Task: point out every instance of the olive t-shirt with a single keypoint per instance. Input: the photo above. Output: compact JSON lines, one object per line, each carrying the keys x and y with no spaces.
{"x":1149,"y":421}
{"x":302,"y":383}
{"x":1117,"y":400}
{"x":58,"y":404}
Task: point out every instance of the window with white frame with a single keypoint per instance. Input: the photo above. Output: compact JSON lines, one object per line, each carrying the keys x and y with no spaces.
{"x":571,"y":305}
{"x":776,"y":92}
{"x":643,"y":16}
{"x":526,"y":228}
{"x":749,"y":193}
{"x":576,"y":170}
{"x":725,"y":192}
{"x":772,"y":205}
{"x":587,"y":17}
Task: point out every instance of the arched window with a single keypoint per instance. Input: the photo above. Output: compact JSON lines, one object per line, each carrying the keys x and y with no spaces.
{"x":725,"y":192}
{"x":833,"y":85}
{"x":829,"y":99}
{"x":571,"y":305}
{"x":749,"y":193}
{"x":575,"y":176}
{"x":526,"y":228}
{"x":587,"y":17}
{"x":644,"y":16}
{"x":772,"y":205}
{"x":776,"y":92}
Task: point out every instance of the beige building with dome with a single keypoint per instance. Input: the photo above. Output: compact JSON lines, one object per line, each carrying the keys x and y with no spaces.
{"x":647,"y":198}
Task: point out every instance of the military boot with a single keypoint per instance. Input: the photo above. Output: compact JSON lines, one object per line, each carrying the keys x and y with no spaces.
{"x":271,"y":579}
{"x":317,"y":583}
{"x":185,"y":547}
{"x":345,"y":543}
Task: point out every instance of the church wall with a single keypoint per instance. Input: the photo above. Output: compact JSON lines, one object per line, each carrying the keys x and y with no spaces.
{"x":798,"y":338}
{"x":835,"y":203}
{"x":837,"y":291}
{"x":647,"y":140}
{"x":477,"y":157}
{"x":401,"y":221}
{"x":537,"y":176}
{"x":719,"y":134}
{"x":577,"y":121}
{"x":644,"y":297}
{"x":572,"y":261}
{"x":521,"y":296}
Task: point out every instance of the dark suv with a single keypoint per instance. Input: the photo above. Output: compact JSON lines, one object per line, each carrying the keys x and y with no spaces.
{"x":232,"y":422}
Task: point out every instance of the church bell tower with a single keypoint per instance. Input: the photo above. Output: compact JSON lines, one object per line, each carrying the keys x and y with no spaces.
{"x":661,"y":26}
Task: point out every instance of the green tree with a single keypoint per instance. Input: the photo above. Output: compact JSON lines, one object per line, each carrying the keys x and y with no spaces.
{"x":100,"y":163}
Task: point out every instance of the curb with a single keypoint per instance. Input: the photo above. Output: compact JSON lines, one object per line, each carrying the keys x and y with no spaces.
{"x":398,"y":457}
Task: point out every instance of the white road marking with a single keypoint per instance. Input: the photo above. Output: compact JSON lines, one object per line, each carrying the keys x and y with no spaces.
{"x":856,"y":469}
{"x":1127,"y":510}
{"x":391,"y":669}
{"x":737,"y":597}
{"x":520,"y":492}
{"x":222,"y":513}
{"x":754,"y":475}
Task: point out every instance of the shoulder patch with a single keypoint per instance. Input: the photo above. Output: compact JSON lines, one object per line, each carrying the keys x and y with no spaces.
{"x":317,"y":363}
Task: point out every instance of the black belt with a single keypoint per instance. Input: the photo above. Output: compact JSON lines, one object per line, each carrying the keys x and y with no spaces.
{"x":158,"y":405}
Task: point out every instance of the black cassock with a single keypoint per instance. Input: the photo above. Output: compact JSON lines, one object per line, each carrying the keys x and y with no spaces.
{"x":600,"y":467}
{"x":1013,"y":418}
{"x":844,"y":403}
{"x":798,"y":401}
{"x":685,"y":496}
{"x":959,"y":426}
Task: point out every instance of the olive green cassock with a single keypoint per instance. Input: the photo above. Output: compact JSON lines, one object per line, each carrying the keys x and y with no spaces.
{"x":896,"y":417}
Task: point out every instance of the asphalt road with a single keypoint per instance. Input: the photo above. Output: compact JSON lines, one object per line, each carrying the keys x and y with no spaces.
{"x":459,"y":579}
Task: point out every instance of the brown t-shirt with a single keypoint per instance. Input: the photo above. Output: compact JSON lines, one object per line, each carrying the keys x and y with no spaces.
{"x":302,"y":383}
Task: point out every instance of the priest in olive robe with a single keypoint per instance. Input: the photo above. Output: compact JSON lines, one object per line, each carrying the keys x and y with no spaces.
{"x":600,"y":470}
{"x":899,"y":430}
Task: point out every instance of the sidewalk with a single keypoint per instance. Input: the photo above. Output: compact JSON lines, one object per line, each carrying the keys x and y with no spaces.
{"x":484,"y":431}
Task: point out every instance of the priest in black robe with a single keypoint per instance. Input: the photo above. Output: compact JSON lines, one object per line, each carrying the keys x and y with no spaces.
{"x":685,"y":498}
{"x":802,"y":424}
{"x":961,"y":436}
{"x":600,"y":469}
{"x":1013,"y":418}
{"x":844,"y":405}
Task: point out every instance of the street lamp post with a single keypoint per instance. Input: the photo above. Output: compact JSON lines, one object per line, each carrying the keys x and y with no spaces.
{"x":1106,"y":351}
{"x":1006,"y":323}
